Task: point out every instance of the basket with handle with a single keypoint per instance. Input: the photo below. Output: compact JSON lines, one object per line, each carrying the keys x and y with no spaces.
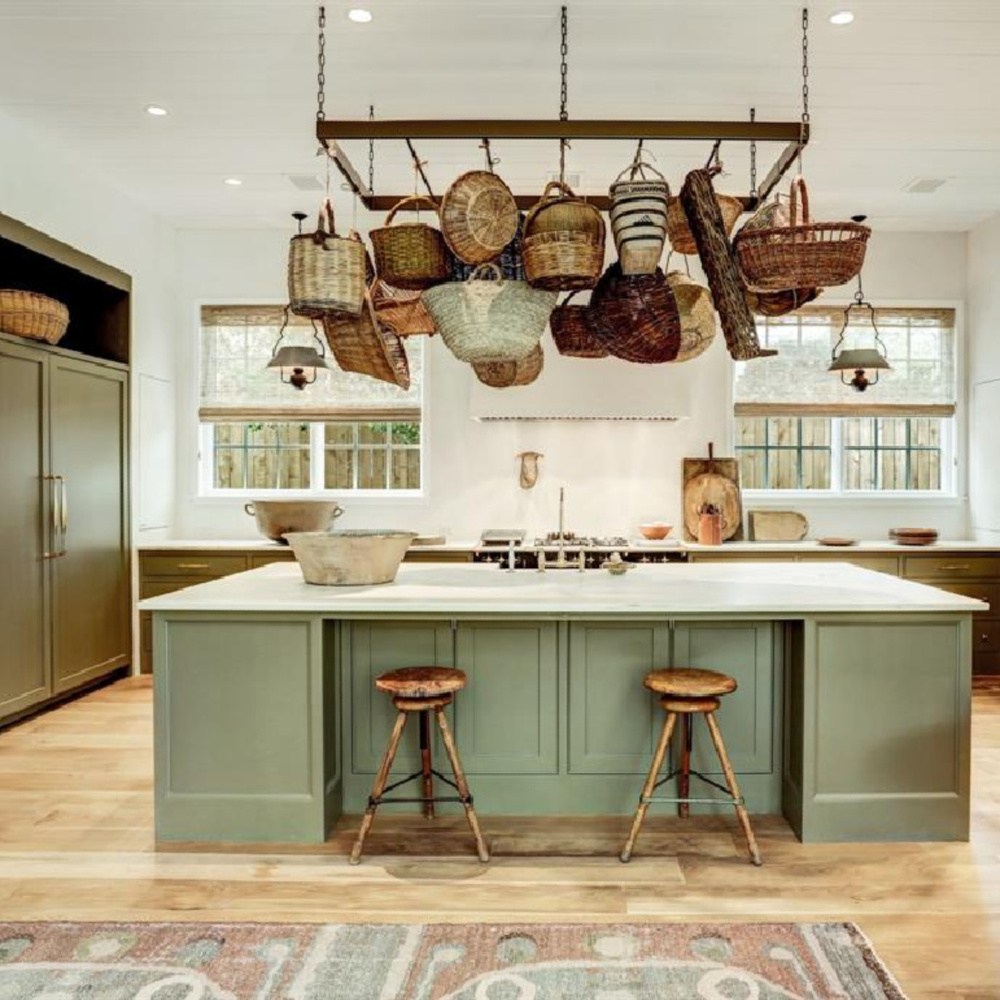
{"x":326,"y":272}
{"x":573,"y":331}
{"x":31,"y":315}
{"x":504,"y":374}
{"x":489,"y":320}
{"x":802,"y":254}
{"x":402,"y":312}
{"x":563,"y":244}
{"x":636,"y":317}
{"x":679,"y":230}
{"x":781,"y":303}
{"x":363,"y":345}
{"x":639,"y":216}
{"x":411,"y":256}
{"x":479,"y":216}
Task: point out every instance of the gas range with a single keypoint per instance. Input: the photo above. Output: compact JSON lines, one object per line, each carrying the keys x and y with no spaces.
{"x":595,"y":549}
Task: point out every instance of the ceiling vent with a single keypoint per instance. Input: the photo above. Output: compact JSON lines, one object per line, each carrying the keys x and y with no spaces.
{"x":925,"y":185}
{"x":305,"y":182}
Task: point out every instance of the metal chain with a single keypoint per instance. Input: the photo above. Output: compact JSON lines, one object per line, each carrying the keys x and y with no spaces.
{"x":563,"y":89}
{"x":804,"y":127}
{"x":371,"y":153}
{"x":753,"y":158}
{"x":321,"y":71}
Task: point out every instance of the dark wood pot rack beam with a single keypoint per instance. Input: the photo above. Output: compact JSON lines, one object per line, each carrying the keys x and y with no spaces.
{"x":794,"y":135}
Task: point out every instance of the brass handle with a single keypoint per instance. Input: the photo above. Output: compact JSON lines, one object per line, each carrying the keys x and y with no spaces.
{"x":957,"y":568}
{"x":53,"y":518}
{"x":64,"y":513}
{"x":192,"y":565}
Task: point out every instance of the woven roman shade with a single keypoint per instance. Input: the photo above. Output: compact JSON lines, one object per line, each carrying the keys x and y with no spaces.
{"x":236,"y":385}
{"x":921,"y":349}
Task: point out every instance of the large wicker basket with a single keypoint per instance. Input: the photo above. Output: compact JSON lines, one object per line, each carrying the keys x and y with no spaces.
{"x":361,"y":344}
{"x":803,"y":254}
{"x":28,"y":314}
{"x":411,"y":256}
{"x":636,"y":317}
{"x":679,"y":230}
{"x":781,"y":303}
{"x":504,"y":374}
{"x":326,"y":272}
{"x":479,"y":216}
{"x":698,"y":322}
{"x":563,"y":242}
{"x":573,"y":331}
{"x":402,"y":312}
{"x":489,"y":320}
{"x":639,"y":217}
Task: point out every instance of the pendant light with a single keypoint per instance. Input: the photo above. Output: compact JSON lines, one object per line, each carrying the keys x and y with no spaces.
{"x":859,"y":361}
{"x":298,"y":366}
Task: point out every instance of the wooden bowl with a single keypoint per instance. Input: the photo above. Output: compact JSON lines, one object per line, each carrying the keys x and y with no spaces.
{"x":655,"y":531}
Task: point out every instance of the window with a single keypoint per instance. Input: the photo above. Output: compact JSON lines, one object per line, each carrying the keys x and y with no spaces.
{"x":346,"y":432}
{"x":798,"y":428}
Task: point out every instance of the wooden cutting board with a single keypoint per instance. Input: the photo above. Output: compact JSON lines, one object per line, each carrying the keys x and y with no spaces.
{"x":777,"y":526}
{"x":717,"y":481}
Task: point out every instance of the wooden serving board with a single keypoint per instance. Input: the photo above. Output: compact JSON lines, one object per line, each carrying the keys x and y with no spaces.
{"x":777,"y":526}
{"x":713,"y":480}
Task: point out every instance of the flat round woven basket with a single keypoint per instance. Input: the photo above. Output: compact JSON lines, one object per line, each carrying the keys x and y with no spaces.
{"x":504,"y":374}
{"x":28,"y":314}
{"x":479,"y":216}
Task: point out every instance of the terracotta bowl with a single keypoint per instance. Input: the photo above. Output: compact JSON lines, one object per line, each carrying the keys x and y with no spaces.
{"x":656,"y":531}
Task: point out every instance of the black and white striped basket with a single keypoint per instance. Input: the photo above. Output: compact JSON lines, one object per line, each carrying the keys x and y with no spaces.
{"x":639,"y":217}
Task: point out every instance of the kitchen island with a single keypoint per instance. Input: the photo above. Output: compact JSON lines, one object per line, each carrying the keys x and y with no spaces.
{"x":851,"y":718}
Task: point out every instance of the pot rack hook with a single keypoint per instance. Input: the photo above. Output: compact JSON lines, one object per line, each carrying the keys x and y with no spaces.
{"x":491,"y":160}
{"x":418,"y":170}
{"x":713,"y":157}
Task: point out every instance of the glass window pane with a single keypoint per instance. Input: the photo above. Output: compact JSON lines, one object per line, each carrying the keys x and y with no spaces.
{"x":752,"y":464}
{"x":892,"y":470}
{"x":859,"y":432}
{"x":339,"y":469}
{"x":925,"y":432}
{"x":783,"y":432}
{"x":816,"y":470}
{"x":892,"y":432}
{"x":925,"y":470}
{"x":228,"y":474}
{"x":750,"y":431}
{"x":372,"y":469}
{"x":406,"y":434}
{"x":859,"y":470}
{"x":816,"y":432}
{"x":405,"y":469}
{"x":373,"y":433}
{"x":783,"y":470}
{"x":340,"y":433}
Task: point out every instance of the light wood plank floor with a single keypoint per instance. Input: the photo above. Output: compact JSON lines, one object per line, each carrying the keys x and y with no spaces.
{"x":76,"y":843}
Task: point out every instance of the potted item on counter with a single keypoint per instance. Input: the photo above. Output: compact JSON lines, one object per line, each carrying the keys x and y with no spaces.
{"x":710,"y":524}
{"x":276,"y":518}
{"x":350,"y":558}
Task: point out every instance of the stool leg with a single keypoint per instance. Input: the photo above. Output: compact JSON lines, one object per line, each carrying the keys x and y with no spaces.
{"x":734,"y":788}
{"x":650,"y":786}
{"x":425,"y":764}
{"x":684,"y":778}
{"x":463,"y":785}
{"x":381,"y":780}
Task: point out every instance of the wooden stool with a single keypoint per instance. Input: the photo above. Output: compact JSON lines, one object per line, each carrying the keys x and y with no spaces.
{"x":422,"y":690}
{"x":686,"y":693}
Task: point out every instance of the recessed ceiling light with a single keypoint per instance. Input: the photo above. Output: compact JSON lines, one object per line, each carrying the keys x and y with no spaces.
{"x":842,"y":17}
{"x":233,"y":181}
{"x":359,"y":15}
{"x":156,"y":111}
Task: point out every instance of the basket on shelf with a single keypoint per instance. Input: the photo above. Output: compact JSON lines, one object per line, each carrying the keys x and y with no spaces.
{"x":361,"y":344}
{"x":636,"y":317}
{"x":504,"y":374}
{"x":31,"y":315}
{"x":639,"y":217}
{"x":563,"y":241}
{"x":573,"y":331}
{"x":698,"y":323}
{"x":803,"y":253}
{"x":682,"y":239}
{"x":489,"y":320}
{"x":717,"y":258}
{"x":326,"y":272}
{"x":479,"y":216}
{"x":402,"y":312}
{"x":411,"y":256}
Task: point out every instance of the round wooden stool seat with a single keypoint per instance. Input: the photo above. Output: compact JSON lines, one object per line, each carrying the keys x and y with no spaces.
{"x":689,"y":683}
{"x":421,"y":682}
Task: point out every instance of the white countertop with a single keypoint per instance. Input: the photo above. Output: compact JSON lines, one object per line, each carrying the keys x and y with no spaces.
{"x":767,"y":589}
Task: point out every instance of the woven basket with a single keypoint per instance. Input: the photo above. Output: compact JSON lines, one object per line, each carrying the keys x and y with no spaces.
{"x":717,"y":259}
{"x":781,"y":303}
{"x":563,"y":242}
{"x":639,"y":217}
{"x":504,"y":374}
{"x":573,"y":331}
{"x":679,"y":229}
{"x":479,"y":216}
{"x":698,"y":323}
{"x":635,"y":316}
{"x":411,"y":256}
{"x":484,"y":320}
{"x":802,"y":254}
{"x":510,"y":261}
{"x":402,"y":312}
{"x":361,"y":344}
{"x":28,"y":314}
{"x":326,"y":272}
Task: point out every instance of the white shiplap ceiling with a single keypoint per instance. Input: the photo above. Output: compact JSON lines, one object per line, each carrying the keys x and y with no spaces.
{"x":906,"y":92}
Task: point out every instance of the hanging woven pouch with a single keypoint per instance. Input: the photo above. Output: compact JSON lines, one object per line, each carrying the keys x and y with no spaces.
{"x":361,"y":344}
{"x":638,"y":215}
{"x":572,"y":328}
{"x":698,"y":324}
{"x":411,"y":256}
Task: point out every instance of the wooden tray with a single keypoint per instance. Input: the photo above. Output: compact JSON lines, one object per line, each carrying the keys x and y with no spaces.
{"x":713,"y":480}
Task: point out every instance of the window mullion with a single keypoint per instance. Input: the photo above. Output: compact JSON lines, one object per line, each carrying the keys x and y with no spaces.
{"x":317,"y":457}
{"x":837,"y":455}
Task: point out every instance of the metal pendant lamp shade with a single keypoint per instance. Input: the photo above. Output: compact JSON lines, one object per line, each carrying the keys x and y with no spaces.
{"x":297,"y":366}
{"x":860,"y":360}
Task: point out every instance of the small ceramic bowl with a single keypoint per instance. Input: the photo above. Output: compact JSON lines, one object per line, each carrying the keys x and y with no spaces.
{"x":655,"y":531}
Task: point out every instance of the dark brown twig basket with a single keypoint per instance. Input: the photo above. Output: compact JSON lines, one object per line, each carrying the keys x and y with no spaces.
{"x":573,"y":331}
{"x":781,"y":303}
{"x":504,"y":374}
{"x":679,"y":231}
{"x":361,"y":344}
{"x":402,"y":312}
{"x":802,"y":254}
{"x":636,"y":317}
{"x":411,"y":256}
{"x":479,"y":216}
{"x":563,"y":242}
{"x":28,"y":314}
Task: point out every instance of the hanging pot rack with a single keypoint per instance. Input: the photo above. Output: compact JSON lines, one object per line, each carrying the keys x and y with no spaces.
{"x":332,"y":132}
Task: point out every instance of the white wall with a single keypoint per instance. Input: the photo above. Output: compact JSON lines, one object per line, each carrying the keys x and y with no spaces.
{"x":984,"y":368}
{"x":616,"y":475}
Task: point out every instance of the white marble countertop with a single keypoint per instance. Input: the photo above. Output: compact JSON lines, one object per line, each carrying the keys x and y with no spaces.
{"x":772,"y":590}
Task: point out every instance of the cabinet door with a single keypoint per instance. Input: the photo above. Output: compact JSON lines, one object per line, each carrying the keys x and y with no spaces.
{"x":745,"y":652}
{"x":375,"y":648}
{"x":506,"y":719}
{"x":24,"y":530}
{"x":90,"y":627}
{"x":614,"y":722}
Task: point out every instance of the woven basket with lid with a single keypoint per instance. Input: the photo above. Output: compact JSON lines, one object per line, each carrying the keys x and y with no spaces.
{"x":479,"y":216}
{"x":411,"y":256}
{"x":563,"y":241}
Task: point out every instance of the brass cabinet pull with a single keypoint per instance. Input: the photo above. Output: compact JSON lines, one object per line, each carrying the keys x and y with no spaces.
{"x":958,"y":568}
{"x":192,"y":566}
{"x":64,"y":514}
{"x":53,"y":518}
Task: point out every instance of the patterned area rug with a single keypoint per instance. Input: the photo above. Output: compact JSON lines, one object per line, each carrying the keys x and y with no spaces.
{"x":56,"y":961}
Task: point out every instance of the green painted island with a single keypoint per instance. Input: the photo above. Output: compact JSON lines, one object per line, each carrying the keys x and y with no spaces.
{"x":851,"y":717}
